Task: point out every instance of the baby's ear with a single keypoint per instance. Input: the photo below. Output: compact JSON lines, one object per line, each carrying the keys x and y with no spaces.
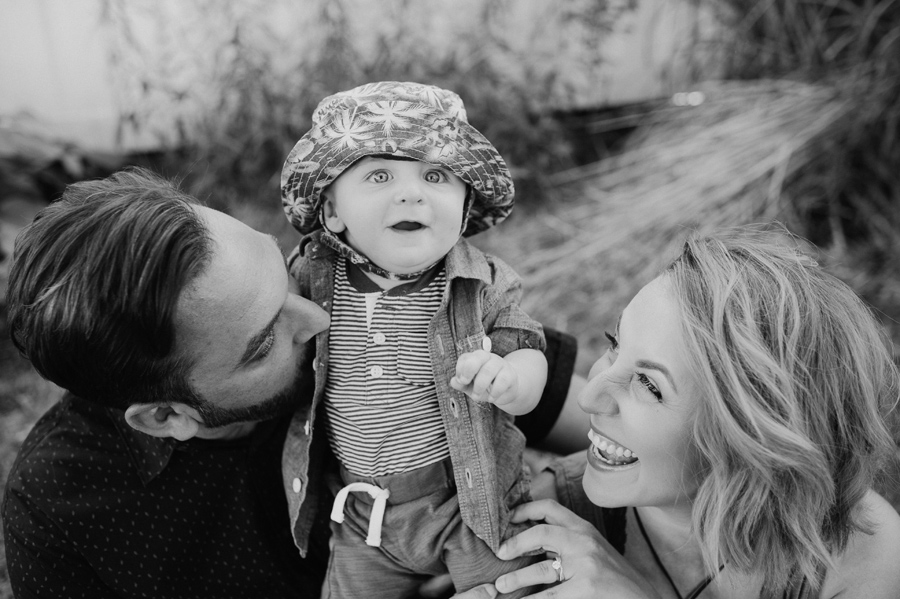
{"x":330,"y":215}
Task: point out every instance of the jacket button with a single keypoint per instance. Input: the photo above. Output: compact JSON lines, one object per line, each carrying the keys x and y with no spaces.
{"x":297,"y":485}
{"x":486,"y":343}
{"x":305,"y":430}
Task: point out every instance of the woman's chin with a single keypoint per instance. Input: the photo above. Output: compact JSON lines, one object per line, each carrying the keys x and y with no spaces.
{"x":603,"y":482}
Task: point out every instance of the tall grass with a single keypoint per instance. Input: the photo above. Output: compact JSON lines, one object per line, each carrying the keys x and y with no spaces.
{"x":848,"y":200}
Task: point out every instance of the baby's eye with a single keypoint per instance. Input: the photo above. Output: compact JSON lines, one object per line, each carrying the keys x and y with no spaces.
{"x":435,"y":176}
{"x":380,"y":177}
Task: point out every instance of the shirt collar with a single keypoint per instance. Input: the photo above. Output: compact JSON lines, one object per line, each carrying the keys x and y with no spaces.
{"x":462,"y":261}
{"x":149,"y":455}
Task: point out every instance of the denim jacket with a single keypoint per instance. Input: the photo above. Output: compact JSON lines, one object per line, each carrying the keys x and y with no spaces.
{"x":485,"y":446}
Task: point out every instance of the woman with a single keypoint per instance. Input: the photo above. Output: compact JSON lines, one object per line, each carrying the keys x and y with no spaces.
{"x":737,"y":426}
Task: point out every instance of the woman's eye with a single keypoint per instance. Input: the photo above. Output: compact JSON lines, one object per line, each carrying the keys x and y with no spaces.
{"x":642,"y":378}
{"x":380,"y":177}
{"x":613,"y":342}
{"x":435,"y":176}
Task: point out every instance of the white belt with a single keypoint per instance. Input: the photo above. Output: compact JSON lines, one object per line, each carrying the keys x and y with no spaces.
{"x":378,"y":494}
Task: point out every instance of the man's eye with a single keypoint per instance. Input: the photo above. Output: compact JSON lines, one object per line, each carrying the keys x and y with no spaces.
{"x":266,"y":346}
{"x":380,"y":177}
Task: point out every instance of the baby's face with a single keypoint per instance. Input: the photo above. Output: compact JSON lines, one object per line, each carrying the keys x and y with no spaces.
{"x":402,"y":215}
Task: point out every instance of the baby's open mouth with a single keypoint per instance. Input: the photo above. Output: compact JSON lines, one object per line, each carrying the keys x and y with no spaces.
{"x":407,"y":225}
{"x":609,"y":452}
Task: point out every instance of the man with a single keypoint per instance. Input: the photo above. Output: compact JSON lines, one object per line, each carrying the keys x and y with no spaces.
{"x":176,"y":330}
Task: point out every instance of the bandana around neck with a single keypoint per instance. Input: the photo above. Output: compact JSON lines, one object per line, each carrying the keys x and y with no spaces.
{"x":331,"y":239}
{"x":345,"y":251}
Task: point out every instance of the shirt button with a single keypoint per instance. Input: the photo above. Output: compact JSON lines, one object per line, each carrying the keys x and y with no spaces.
{"x":306,"y":430}
{"x":315,"y":365}
{"x":379,"y":338}
{"x":486,"y":344}
{"x":297,"y":485}
{"x":376,"y":372}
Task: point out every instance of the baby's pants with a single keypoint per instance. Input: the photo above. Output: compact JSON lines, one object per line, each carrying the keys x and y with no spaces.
{"x":423,"y":535}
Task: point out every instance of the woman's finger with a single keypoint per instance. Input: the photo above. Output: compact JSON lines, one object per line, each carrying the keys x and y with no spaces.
{"x":535,"y":574}
{"x":541,"y":537}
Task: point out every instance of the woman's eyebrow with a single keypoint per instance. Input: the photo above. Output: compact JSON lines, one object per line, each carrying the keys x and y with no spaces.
{"x":650,"y":365}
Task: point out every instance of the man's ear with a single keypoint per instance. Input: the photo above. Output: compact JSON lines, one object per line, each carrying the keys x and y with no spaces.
{"x":330,"y":215}
{"x":172,"y":420}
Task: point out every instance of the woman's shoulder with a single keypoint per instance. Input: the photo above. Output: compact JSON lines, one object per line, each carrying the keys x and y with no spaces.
{"x":868,"y":567}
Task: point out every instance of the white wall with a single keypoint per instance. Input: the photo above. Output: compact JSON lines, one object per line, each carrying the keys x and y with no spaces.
{"x":65,"y":69}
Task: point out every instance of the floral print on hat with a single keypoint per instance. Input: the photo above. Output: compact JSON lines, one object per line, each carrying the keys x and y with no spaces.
{"x":410,"y":120}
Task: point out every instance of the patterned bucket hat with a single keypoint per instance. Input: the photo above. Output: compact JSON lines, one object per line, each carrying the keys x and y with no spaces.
{"x":410,"y":120}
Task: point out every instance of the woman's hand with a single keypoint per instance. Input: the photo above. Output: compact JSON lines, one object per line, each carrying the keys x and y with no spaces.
{"x":590,"y":567}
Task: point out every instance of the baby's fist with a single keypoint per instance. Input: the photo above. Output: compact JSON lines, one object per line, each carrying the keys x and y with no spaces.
{"x":484,"y":376}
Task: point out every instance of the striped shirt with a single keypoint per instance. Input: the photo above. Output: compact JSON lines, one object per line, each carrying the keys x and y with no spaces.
{"x":380,"y":398}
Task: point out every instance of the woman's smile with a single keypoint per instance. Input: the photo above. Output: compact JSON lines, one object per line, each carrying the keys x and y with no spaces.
{"x":610,"y":453}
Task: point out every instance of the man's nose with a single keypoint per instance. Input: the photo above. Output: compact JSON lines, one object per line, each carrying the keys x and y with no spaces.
{"x":311,"y":320}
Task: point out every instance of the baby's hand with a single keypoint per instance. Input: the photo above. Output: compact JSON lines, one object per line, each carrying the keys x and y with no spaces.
{"x":484,"y":376}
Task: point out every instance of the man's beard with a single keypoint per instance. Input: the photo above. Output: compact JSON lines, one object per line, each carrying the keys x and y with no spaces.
{"x":282,"y":403}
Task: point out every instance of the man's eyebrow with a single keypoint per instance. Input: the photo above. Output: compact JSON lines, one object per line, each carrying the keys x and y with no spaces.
{"x":658,"y":367}
{"x":257,"y":340}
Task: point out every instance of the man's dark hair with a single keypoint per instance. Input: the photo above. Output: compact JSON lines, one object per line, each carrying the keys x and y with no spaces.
{"x":94,"y":286}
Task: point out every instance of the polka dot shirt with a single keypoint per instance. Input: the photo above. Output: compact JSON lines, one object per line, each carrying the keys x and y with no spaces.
{"x":96,"y":509}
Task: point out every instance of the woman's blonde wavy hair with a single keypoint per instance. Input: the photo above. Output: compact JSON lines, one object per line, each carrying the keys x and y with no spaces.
{"x":797,"y":380}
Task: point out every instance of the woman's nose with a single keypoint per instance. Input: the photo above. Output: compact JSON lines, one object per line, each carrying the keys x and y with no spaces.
{"x":598,"y":395}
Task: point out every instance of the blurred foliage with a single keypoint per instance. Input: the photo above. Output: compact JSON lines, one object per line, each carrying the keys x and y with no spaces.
{"x":262,"y":92}
{"x":849,"y":199}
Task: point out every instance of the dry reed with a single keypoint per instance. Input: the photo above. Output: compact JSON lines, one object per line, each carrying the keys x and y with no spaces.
{"x":721,"y":163}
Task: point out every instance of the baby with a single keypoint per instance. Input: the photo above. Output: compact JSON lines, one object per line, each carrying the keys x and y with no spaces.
{"x":428,"y":357}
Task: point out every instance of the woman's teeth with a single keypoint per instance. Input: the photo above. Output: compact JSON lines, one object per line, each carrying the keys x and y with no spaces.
{"x":609,"y":452}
